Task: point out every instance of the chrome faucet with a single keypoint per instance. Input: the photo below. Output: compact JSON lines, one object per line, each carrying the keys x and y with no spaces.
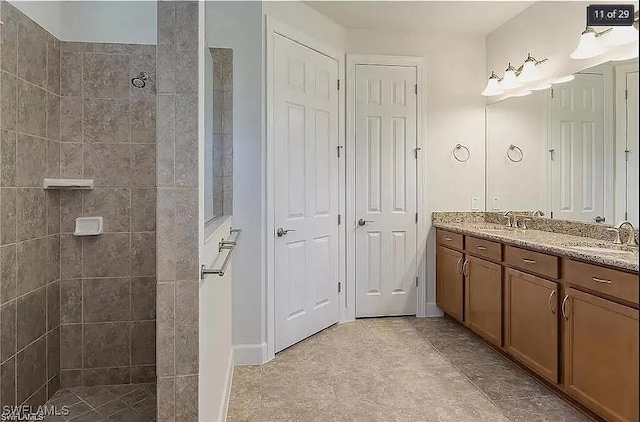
{"x":631,"y":239}
{"x":538,"y":213}
{"x":511,"y":219}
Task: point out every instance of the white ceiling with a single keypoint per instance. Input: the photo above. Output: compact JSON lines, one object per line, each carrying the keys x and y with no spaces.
{"x":469,"y":17}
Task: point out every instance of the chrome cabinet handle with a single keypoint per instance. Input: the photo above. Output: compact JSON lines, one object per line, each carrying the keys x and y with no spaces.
{"x":465,"y":267}
{"x":553,"y":292}
{"x":458,"y":265}
{"x":448,"y":239}
{"x":528,"y":261}
{"x":482,"y":248}
{"x":282,"y":232}
{"x":600,"y":280}
{"x":564,"y":307}
{"x":362,"y":222}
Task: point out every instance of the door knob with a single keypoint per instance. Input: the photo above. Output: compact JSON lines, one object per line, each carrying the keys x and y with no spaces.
{"x":281,"y":232}
{"x":362,"y":222}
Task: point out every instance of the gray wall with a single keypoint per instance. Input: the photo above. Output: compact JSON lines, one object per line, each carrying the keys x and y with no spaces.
{"x":108,"y":133}
{"x":177,"y":211}
{"x":29,"y":216}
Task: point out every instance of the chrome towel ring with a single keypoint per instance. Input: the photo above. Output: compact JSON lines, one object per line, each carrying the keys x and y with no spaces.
{"x":456,"y":151}
{"x":515,"y":148}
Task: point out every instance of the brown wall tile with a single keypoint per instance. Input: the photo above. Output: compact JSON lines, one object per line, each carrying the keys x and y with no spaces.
{"x":9,"y":91}
{"x":70,"y":301}
{"x":106,"y":120}
{"x":96,"y":336}
{"x":106,"y":255}
{"x":187,"y":398}
{"x":32,"y":265}
{"x":107,"y":164}
{"x":107,"y":376}
{"x":32,"y":213}
{"x":186,"y":330}
{"x":70,"y":256}
{"x":143,"y":209}
{"x":106,"y":75}
{"x":166,"y":402}
{"x":71,"y":119}
{"x":7,"y":330}
{"x":32,"y":110}
{"x":9,"y":58}
{"x":143,"y":374}
{"x":7,"y":215}
{"x":71,"y":346}
{"x":143,"y":298}
{"x":186,"y":150}
{"x":71,"y":165}
{"x":7,"y":273}
{"x":143,"y":164}
{"x":165,"y":329}
{"x":31,"y":314}
{"x":53,"y":305}
{"x":32,"y":53}
{"x":71,"y":378}
{"x":143,"y":254}
{"x":166,"y":140}
{"x":53,"y":69}
{"x":31,"y":161}
{"x":31,"y":372}
{"x":143,"y":121}
{"x":53,"y":116}
{"x":8,"y":383}
{"x":111,"y":204}
{"x":70,"y":74}
{"x":143,"y":343}
{"x":53,"y":352}
{"x":106,"y":299}
{"x":8,"y":159}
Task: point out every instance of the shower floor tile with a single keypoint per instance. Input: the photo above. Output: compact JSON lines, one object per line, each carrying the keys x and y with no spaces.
{"x":109,"y":403}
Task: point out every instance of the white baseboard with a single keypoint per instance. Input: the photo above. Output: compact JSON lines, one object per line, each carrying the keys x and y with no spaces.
{"x":433,"y":310}
{"x":250,"y":354}
{"x":227,"y":390}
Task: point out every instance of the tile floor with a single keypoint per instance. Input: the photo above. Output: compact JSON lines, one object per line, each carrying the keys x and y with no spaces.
{"x":393,"y":369}
{"x":113,"y":403}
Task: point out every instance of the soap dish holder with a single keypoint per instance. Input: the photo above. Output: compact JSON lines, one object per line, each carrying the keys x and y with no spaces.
{"x":88,"y":226}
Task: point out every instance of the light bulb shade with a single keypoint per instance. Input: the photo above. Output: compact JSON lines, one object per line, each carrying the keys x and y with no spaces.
{"x":564,"y":79}
{"x":588,"y":47}
{"x":541,"y":86}
{"x":529,"y":72}
{"x":631,"y":54}
{"x":621,"y":35}
{"x":510,"y":79}
{"x":493,"y":87}
{"x":522,"y":93}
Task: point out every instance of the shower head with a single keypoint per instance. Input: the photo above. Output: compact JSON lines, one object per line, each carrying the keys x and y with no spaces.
{"x":139,"y":80}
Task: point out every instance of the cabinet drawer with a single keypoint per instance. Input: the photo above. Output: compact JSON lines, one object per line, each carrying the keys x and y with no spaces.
{"x":534,"y":262}
{"x":484,"y":248}
{"x":449,"y":239}
{"x":614,"y":283}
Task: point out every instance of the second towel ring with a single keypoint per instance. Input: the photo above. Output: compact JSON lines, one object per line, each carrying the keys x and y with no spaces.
{"x":459,"y":147}
{"x":514,"y":148}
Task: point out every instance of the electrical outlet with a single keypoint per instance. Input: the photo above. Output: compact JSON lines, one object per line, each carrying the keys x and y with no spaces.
{"x":495,"y":203}
{"x":475,"y":203}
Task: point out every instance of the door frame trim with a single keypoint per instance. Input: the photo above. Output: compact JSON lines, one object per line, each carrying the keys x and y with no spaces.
{"x":275,"y":27}
{"x":421,"y":238}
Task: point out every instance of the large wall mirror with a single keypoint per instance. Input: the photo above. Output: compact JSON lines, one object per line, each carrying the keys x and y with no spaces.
{"x":570,"y":151}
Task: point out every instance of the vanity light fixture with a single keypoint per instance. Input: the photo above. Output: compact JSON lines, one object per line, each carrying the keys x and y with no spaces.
{"x":510,"y":79}
{"x":564,"y":79}
{"x":493,"y":86}
{"x":589,"y":45}
{"x":529,"y":71}
{"x":541,"y":86}
{"x":621,"y":35}
{"x":522,"y":93}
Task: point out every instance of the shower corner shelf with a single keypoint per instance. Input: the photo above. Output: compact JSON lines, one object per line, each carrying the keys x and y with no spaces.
{"x":68,"y":183}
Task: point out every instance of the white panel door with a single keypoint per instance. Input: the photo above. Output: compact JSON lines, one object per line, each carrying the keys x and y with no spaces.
{"x":578,"y":149}
{"x":385,"y":144}
{"x":632,"y":148}
{"x":305,"y":114}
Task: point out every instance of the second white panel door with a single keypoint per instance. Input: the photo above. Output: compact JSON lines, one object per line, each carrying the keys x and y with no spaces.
{"x":305,"y":114}
{"x":385,"y":144}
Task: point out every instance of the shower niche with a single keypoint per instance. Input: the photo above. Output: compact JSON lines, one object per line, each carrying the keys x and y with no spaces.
{"x":78,"y":140}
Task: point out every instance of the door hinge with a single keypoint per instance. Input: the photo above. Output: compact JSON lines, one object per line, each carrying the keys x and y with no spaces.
{"x":626,"y":154}
{"x":339,"y":219}
{"x":416,"y":217}
{"x":626,"y":94}
{"x":626,"y":215}
{"x":339,"y":287}
{"x":551,"y":92}
{"x":417,"y":151}
{"x":551,"y":214}
{"x":416,"y":281}
{"x":416,"y":89}
{"x":339,"y":148}
{"x":338,"y":84}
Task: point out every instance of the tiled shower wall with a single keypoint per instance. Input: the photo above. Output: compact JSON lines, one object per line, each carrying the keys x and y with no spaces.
{"x":177,"y":213}
{"x":108,"y":285}
{"x":29,"y":215}
{"x":223,"y":131}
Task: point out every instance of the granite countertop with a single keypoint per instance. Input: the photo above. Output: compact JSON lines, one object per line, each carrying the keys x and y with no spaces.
{"x":619,"y":256}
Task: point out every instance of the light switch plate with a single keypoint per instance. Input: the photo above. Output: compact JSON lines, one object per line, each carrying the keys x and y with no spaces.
{"x":475,"y":203}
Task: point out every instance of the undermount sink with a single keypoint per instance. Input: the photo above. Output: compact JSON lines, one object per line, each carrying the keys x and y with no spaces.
{"x":600,"y":249}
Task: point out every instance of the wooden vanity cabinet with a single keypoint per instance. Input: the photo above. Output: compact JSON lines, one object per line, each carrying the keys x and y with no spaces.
{"x":449,"y":282}
{"x":483,"y":298}
{"x":601,"y":355}
{"x":531,"y":322}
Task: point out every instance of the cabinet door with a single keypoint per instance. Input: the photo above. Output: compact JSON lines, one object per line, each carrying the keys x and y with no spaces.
{"x":483,"y":298}
{"x":601,"y":355}
{"x":449,"y":281}
{"x":531,"y":322}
